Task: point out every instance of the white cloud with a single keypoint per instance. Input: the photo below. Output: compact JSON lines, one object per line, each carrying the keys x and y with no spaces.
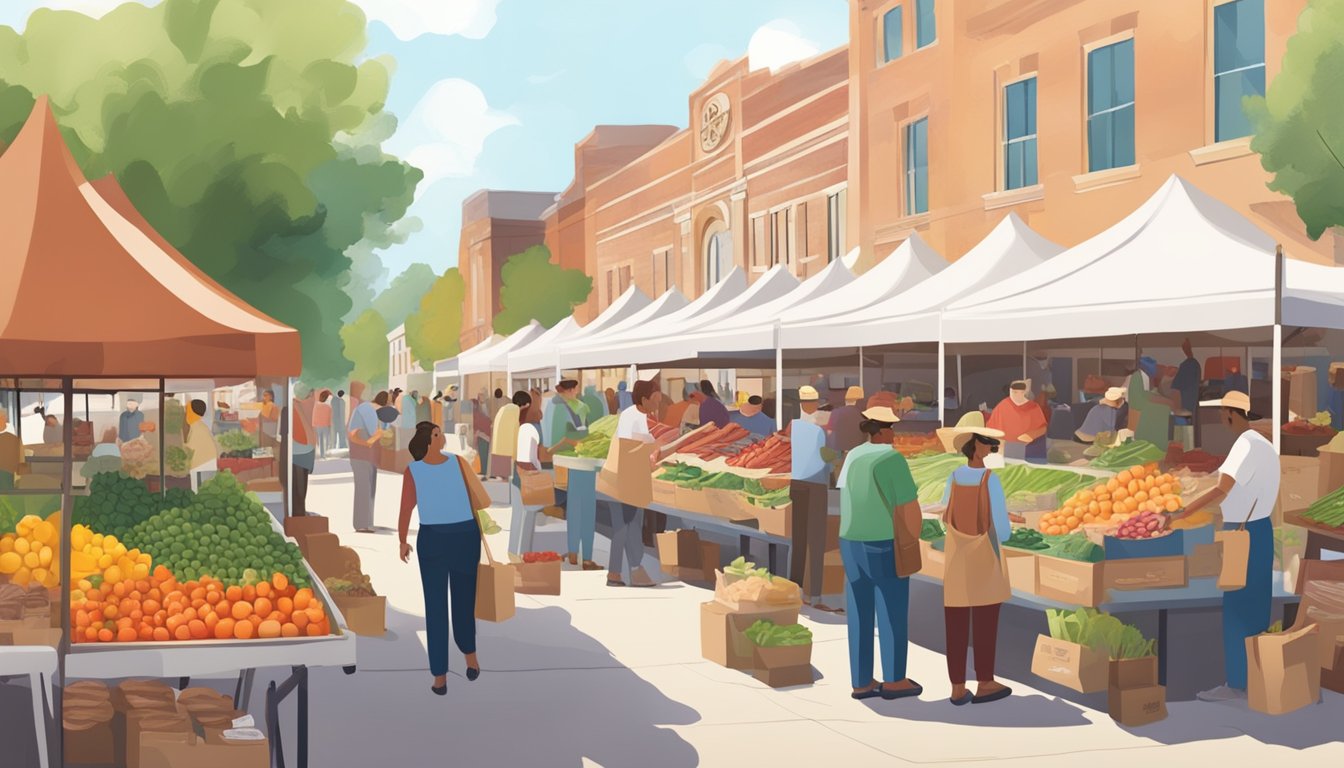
{"x":777,"y":44}
{"x":409,"y":19}
{"x":447,"y":130}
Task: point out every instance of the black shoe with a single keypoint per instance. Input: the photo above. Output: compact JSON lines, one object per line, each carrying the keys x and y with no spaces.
{"x":440,"y":690}
{"x":914,"y":690}
{"x":1002,"y":693}
{"x":473,"y":673}
{"x":963,"y":700}
{"x":871,"y":693}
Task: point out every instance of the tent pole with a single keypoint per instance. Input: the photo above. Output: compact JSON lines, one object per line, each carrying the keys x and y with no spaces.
{"x":286,"y":450}
{"x":860,"y":367}
{"x":67,"y":522}
{"x":779,"y":381}
{"x":942,"y":382}
{"x":1276,"y":384}
{"x":961,"y":390}
{"x":163,"y":438}
{"x":1024,"y":359}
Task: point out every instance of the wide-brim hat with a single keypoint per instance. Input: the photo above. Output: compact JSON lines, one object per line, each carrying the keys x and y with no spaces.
{"x":881,"y":413}
{"x":963,"y":435}
{"x":1114,"y":395}
{"x":1238,"y":400}
{"x":854,"y":393}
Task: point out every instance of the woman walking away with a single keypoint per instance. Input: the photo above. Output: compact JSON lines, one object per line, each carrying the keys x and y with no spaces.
{"x":975,"y":584}
{"x":878,"y":489}
{"x":445,"y":492}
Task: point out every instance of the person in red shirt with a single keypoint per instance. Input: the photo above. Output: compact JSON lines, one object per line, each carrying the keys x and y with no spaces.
{"x":1018,"y":416}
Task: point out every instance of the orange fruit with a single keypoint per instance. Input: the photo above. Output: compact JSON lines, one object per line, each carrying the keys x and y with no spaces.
{"x":280,"y":580}
{"x":249,"y":593}
{"x":182,"y":632}
{"x":161,"y":634}
{"x":285,"y":605}
{"x":105,"y":635}
{"x":243,"y":630}
{"x":269,"y":629}
{"x":91,"y":634}
{"x":127,"y":635}
{"x":224,"y":629}
{"x":264,"y":589}
{"x":213,"y":597}
{"x":315,"y":630}
{"x":300,"y":619}
{"x":262,"y":606}
{"x":234,"y":593}
{"x":302,"y":598}
{"x":241,"y":610}
{"x":146,"y":632}
{"x":289,"y":629}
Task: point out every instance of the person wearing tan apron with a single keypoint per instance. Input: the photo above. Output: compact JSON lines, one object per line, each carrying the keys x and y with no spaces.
{"x":975,"y":583}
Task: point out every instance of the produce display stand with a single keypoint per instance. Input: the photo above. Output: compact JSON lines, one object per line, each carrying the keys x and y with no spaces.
{"x":776,"y":545}
{"x":1319,"y":537}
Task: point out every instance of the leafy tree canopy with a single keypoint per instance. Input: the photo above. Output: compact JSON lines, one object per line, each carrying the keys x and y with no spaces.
{"x":403,"y":294}
{"x":432,"y":331}
{"x":365,"y":342}
{"x":532,"y":287}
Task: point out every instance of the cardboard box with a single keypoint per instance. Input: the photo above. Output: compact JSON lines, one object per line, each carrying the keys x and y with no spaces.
{"x":710,"y":559}
{"x":1070,"y":581}
{"x":1206,"y":562}
{"x":692,"y":501}
{"x":1299,"y":479}
{"x":303,"y":525}
{"x":785,"y":677}
{"x":342,"y":562}
{"x":1283,"y":670}
{"x":1145,"y":573}
{"x":832,"y":532}
{"x":725,"y":504}
{"x":1137,"y":706}
{"x":166,"y":751}
{"x":1332,"y":677}
{"x":1134,"y":673}
{"x":165,"y":724}
{"x":776,"y":521}
{"x":494,"y":592}
{"x":537,"y":578}
{"x":1021,"y":566}
{"x":365,"y":616}
{"x":1169,"y":545}
{"x":88,"y":734}
{"x":318,"y":545}
{"x":1329,"y":472}
{"x":933,"y":562}
{"x":781,"y":593}
{"x":678,"y":549}
{"x":723,"y":638}
{"x":783,"y":657}
{"x":664,"y":493}
{"x":1071,"y":665}
{"x":832,"y":574}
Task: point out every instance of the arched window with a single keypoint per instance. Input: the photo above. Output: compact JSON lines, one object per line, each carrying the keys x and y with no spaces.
{"x":718,"y":254}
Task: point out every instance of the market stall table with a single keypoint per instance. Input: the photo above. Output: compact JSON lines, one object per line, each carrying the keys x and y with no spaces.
{"x":39,"y":663}
{"x":1319,"y":537}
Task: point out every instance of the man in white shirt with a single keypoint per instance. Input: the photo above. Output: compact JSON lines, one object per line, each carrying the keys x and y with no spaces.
{"x":1247,"y":488}
{"x":526,"y":456}
{"x":809,"y":401}
{"x":627,"y":522}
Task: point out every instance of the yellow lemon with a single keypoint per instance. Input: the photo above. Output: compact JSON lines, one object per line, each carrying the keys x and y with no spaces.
{"x":10,"y":562}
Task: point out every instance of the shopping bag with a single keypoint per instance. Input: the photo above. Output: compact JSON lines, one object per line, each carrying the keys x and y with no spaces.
{"x":536,"y":487}
{"x":476,"y":493}
{"x":1236,"y":556}
{"x":908,"y":558}
{"x":1283,"y":670}
{"x":627,"y":475}
{"x":494,"y":587}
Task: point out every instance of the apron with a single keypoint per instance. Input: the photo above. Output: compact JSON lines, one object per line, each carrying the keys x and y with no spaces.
{"x":975,"y":574}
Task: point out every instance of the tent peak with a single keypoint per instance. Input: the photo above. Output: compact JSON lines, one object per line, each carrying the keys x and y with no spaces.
{"x":40,"y":138}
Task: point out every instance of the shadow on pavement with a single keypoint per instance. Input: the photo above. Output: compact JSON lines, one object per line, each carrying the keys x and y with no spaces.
{"x":1029,"y":711}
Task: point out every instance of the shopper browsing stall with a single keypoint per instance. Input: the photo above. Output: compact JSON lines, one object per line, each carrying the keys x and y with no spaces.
{"x":201,"y":443}
{"x":712,"y":409}
{"x":809,"y":401}
{"x":1019,"y":418}
{"x":527,"y":457}
{"x":364,"y":433}
{"x":1104,"y":416}
{"x":569,"y":422}
{"x":1248,"y":487}
{"x":627,"y":522}
{"x":975,"y":583}
{"x":878,"y":490}
{"x":809,"y":480}
{"x":751,"y":418}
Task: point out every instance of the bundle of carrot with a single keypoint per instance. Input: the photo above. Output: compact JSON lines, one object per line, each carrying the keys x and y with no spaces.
{"x":771,"y":453}
{"x":707,"y":443}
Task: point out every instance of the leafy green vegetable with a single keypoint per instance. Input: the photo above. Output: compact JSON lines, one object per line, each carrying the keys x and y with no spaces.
{"x":1127,"y":455}
{"x":1074,"y":546}
{"x":1100,"y":631}
{"x":1027,"y":538}
{"x":768,"y":634}
{"x":740,"y":567}
{"x":930,"y":530}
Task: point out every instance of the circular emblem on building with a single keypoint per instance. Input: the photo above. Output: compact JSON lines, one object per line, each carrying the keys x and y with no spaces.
{"x":714,"y":122}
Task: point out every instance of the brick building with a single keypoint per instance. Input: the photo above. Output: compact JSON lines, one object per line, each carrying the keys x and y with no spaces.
{"x":495,"y":225}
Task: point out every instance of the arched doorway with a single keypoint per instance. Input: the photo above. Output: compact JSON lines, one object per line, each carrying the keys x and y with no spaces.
{"x":718,"y":252}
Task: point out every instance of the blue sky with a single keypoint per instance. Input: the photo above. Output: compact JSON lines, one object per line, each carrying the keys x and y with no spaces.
{"x":494,"y":93}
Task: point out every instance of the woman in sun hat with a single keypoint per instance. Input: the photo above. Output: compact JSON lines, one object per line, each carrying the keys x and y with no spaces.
{"x":877,"y":490}
{"x":975,"y":583}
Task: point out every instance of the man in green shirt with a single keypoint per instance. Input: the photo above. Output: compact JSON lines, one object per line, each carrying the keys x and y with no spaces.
{"x":568,"y":424}
{"x":569,"y":417}
{"x":877,"y":488}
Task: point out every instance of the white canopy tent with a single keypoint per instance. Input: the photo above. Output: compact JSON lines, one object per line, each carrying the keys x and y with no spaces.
{"x":495,"y":358}
{"x":1313,"y":295}
{"x":607,"y":351}
{"x":670,"y":302}
{"x":538,"y":355}
{"x":452,"y":367}
{"x":1182,"y":261}
{"x":911,"y":263}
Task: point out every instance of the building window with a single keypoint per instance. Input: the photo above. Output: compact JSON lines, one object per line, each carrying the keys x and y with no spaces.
{"x":917,"y":167}
{"x":1019,"y":134}
{"x":759,"y":240}
{"x":926,"y":30}
{"x":669,"y":276}
{"x":1110,"y":106}
{"x":835,"y":226}
{"x":718,"y":257}
{"x":801,"y":246}
{"x":611,"y":286}
{"x":625,"y":278}
{"x":774,"y":238}
{"x":1238,"y":64}
{"x":891,"y":34}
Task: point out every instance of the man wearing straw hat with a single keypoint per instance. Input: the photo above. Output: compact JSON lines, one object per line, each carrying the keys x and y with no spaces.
{"x":843,"y":426}
{"x":1104,"y":416}
{"x":1248,"y":487}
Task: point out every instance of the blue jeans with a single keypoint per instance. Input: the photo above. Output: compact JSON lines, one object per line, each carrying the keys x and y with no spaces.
{"x":1246,"y":611}
{"x":581,"y":512}
{"x":871,"y":584}
{"x":448,"y":555}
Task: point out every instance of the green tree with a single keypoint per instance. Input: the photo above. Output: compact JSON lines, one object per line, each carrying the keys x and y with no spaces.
{"x":432,"y":331}
{"x":1299,"y":123}
{"x":532,"y":287}
{"x":365,"y":342}
{"x":403,"y":294}
{"x":248,"y":132}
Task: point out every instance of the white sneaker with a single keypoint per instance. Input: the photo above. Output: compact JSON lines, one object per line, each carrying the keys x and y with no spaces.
{"x":1221,"y":693}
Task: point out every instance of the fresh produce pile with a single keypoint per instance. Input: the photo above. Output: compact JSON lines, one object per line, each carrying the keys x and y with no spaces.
{"x":716,"y":442}
{"x":351,"y":585}
{"x":931,"y":472}
{"x":541,"y":557}
{"x":658,"y":429}
{"x":1099,"y":631}
{"x":772,"y":453}
{"x":117,"y":503}
{"x":760,"y":589}
{"x":1021,"y":480}
{"x":1137,"y":489}
{"x":177,"y":460}
{"x":1074,"y":546}
{"x":1148,"y":525}
{"x":741,"y":567}
{"x":29,"y":554}
{"x":761,"y":496}
{"x":768,"y":634}
{"x":1195,"y":461}
{"x":598,"y":442}
{"x":932,"y":530}
{"x":912,"y":444}
{"x":159,"y":608}
{"x":102,"y":559}
{"x":695,"y":478}
{"x":139,"y":458}
{"x":1026,"y":538}
{"x":1318,"y":426}
{"x":1327,"y":510}
{"x":236,"y":444}
{"x":223,"y":533}
{"x":1129,"y":454}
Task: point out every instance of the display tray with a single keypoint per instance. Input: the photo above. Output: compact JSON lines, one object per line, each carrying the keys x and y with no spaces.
{"x":1295,"y":518}
{"x":578,"y":463}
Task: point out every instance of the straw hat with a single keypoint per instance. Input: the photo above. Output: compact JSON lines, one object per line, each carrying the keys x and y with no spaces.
{"x":1238,"y":400}
{"x":881,"y":413}
{"x":808,"y":393}
{"x":854,"y":394}
{"x":1114,"y":395}
{"x":963,"y":435}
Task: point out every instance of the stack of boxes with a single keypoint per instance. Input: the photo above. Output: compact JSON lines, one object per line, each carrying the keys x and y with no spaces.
{"x":723,"y":636}
{"x":1133,"y":696}
{"x":364,"y":614}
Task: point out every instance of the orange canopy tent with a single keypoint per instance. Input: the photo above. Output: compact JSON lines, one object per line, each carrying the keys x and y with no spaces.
{"x":90,"y":289}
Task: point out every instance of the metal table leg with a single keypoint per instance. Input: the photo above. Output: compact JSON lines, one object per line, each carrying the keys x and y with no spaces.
{"x":1162,"y":646}
{"x":274,"y":695}
{"x":772,"y":556}
{"x":744,"y":545}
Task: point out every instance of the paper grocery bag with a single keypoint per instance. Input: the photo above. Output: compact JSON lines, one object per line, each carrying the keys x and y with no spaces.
{"x":494,"y":588}
{"x":1283,"y":670}
{"x":1236,"y":556}
{"x":627,"y":475}
{"x":536,"y":487}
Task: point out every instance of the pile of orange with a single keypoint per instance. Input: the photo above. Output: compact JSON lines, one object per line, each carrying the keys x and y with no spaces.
{"x":1135,"y":490}
{"x":160,"y":608}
